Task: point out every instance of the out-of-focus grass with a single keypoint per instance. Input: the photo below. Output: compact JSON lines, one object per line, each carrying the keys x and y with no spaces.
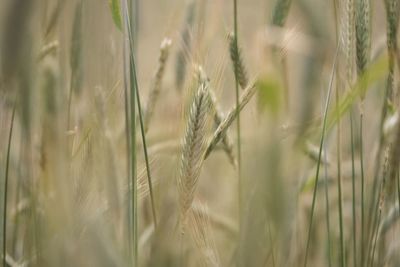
{"x":78,"y":156}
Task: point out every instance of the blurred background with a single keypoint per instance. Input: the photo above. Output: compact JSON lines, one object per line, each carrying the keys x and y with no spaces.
{"x":316,"y":180}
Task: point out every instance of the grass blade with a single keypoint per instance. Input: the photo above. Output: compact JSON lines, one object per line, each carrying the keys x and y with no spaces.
{"x":116,"y":12}
{"x":324,"y":124}
{"x":146,"y":157}
{"x":6,"y":180}
{"x":133,"y":218}
{"x":353,"y":187}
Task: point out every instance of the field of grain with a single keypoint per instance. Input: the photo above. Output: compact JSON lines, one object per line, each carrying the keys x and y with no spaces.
{"x":199,"y":133}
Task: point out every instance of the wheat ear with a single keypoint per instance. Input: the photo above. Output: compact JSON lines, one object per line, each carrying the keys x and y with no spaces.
{"x":348,"y":38}
{"x":237,"y":61}
{"x":392,"y":20}
{"x":193,"y":147}
{"x":363,"y":34}
{"x":157,"y":82}
{"x":281,"y":11}
{"x":227,"y":144}
{"x":224,"y":125}
{"x":185,"y":34}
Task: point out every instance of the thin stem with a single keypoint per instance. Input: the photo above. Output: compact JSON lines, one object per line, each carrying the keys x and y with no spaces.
{"x":338,"y":147}
{"x":128,"y":145}
{"x":133,"y":157}
{"x":398,"y":188}
{"x":339,"y":183}
{"x":133,"y":178}
{"x":6,"y":186}
{"x":238,"y":114}
{"x":272,"y":245}
{"x":146,"y":157}
{"x":328,"y":225}
{"x":327,"y":205}
{"x":353,"y":187}
{"x":362,"y":192}
{"x":69,"y":103}
{"x":320,"y":155}
{"x":376,"y":238}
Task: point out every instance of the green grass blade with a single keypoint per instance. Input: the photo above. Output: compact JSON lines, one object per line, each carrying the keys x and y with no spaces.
{"x":324,"y":124}
{"x":135,"y":87}
{"x":362,"y":193}
{"x":116,"y":12}
{"x":133,"y":219}
{"x":146,"y":157}
{"x":374,"y":73}
{"x":328,"y":224}
{"x":141,"y":121}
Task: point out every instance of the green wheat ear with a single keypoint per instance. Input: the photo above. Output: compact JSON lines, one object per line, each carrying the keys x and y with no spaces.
{"x":392,"y":21}
{"x":281,"y":11}
{"x":363,"y":35}
{"x":392,"y":18}
{"x":237,"y":61}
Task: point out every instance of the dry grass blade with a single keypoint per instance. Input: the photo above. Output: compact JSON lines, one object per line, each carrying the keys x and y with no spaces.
{"x":193,"y":149}
{"x":226,"y":123}
{"x":48,"y":49}
{"x":157,"y":82}
{"x":312,"y":151}
{"x":391,"y":218}
{"x":217,"y":220}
